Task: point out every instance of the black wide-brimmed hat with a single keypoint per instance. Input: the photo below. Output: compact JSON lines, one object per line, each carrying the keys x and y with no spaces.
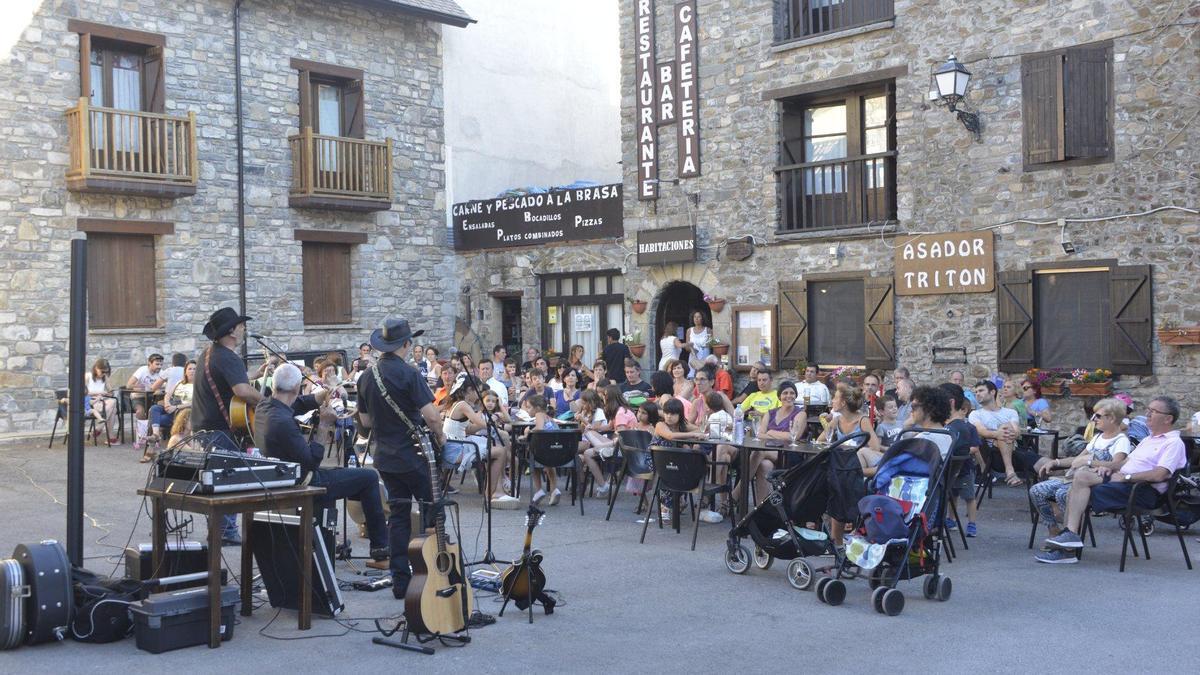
{"x":392,"y":333}
{"x":222,"y":322}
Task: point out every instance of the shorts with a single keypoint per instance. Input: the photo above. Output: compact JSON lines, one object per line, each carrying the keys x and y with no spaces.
{"x":964,"y":483}
{"x":1111,"y":497}
{"x":462,"y":454}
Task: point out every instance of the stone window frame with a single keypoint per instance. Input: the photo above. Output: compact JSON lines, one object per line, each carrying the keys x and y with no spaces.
{"x":104,"y":315}
{"x":1053,"y":107}
{"x":326,"y":277}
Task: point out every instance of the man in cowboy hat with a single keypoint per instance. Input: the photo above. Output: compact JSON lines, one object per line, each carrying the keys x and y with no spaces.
{"x":220,"y":375}
{"x":392,"y":388}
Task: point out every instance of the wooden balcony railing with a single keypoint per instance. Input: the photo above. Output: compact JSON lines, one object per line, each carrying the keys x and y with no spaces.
{"x":817,"y":17}
{"x":131,"y":152}
{"x":334,"y":172}
{"x":837,"y":193}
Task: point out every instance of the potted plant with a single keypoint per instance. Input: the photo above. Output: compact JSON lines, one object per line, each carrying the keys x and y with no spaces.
{"x":639,"y":306}
{"x":1096,"y":382}
{"x":1051,"y":381}
{"x":633,"y":340}
{"x":1171,"y":334}
{"x":717,"y":346}
{"x":714,"y":303}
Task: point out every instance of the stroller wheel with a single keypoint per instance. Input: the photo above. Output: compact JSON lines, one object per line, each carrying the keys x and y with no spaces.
{"x":800,"y":574}
{"x":835,"y":592}
{"x":762,"y":559}
{"x":944,"y":588}
{"x":930,"y":586}
{"x":875,"y":580}
{"x":737,"y":560}
{"x":821,"y":584}
{"x":877,"y":598}
{"x":892,"y":602}
{"x":1147,"y":525}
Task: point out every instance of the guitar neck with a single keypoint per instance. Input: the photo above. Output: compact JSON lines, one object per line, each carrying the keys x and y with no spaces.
{"x":439,"y":519}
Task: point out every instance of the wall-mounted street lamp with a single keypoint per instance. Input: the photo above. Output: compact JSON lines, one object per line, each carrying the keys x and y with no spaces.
{"x":951,"y":79}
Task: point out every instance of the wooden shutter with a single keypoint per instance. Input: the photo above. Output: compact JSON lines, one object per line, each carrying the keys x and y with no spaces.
{"x":154,"y":98}
{"x":305,"y":100}
{"x":792,"y":326}
{"x":1087,"y":75}
{"x":120,"y":279}
{"x":1132,"y":330}
{"x":85,"y":65}
{"x":352,"y":110}
{"x":879,"y":307}
{"x":1014,"y":321}
{"x":1042,"y":108}
{"x":326,"y":283}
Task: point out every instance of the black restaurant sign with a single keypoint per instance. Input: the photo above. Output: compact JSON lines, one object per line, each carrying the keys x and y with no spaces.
{"x":574,"y":214}
{"x":669,"y":245}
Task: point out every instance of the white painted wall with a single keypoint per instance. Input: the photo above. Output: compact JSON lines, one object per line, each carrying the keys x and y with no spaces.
{"x":531,"y":96}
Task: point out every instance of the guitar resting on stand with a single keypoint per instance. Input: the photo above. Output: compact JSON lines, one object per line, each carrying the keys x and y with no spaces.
{"x":524,"y":582}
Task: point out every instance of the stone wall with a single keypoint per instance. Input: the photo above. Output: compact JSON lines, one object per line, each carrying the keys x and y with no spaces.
{"x":404,"y":267}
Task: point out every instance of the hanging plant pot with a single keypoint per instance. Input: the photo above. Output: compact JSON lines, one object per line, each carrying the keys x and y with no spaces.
{"x":1091,"y":388}
{"x":716,"y":305}
{"x":1053,"y":388}
{"x":720,"y":349}
{"x":639,"y":306}
{"x":1188,"y":335}
{"x":637,"y":350}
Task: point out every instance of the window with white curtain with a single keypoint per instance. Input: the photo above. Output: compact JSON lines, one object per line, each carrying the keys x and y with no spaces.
{"x":578,"y":309}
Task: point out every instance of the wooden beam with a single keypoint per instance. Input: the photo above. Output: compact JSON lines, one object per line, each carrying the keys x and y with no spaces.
{"x":327,"y":69}
{"x":113,"y":226}
{"x":116,"y":33}
{"x":824,"y":86}
{"x":330,"y":236}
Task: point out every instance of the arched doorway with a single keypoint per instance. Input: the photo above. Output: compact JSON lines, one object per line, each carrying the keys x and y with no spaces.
{"x":676,"y":302}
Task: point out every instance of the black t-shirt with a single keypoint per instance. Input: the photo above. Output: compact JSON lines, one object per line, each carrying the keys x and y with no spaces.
{"x":642,"y":386}
{"x":227,"y":370}
{"x":278,"y":435}
{"x":614,"y":356}
{"x":968,"y":437}
{"x":394,"y":450}
{"x":750,"y":388}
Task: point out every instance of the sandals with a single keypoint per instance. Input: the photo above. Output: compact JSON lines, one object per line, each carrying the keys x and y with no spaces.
{"x":146,"y":458}
{"x":1013,"y":480}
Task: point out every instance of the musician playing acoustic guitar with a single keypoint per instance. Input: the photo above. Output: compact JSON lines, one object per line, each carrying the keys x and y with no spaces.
{"x":220,"y":375}
{"x":405,"y":474}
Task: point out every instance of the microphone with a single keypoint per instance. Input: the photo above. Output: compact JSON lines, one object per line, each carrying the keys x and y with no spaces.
{"x":256,"y":336}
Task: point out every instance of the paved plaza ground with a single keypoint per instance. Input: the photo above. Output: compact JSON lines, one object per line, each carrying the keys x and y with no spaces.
{"x":661,"y":607}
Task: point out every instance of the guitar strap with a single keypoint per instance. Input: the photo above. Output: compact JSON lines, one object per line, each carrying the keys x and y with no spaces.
{"x":213,"y":386}
{"x":395,"y":408}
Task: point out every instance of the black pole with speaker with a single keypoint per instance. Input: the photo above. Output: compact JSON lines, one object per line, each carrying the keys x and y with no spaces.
{"x":76,"y":357}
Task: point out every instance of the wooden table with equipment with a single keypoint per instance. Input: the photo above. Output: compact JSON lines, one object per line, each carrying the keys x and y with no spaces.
{"x":214,"y":507}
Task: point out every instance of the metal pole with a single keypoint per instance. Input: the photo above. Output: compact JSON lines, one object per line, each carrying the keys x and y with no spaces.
{"x":241,"y":168}
{"x":77,"y":356}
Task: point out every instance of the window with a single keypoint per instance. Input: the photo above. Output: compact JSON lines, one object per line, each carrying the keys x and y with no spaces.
{"x":331,"y":99}
{"x":327,"y":276}
{"x":753,"y":337}
{"x":837,"y":321}
{"x":1090,"y":315}
{"x":805,"y":18}
{"x":1067,"y":105}
{"x":837,"y":160}
{"x":122,"y":292}
{"x":578,"y":309}
{"x":120,"y":68}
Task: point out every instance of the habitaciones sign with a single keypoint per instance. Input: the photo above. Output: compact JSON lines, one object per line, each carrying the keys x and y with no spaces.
{"x":957,"y":262}
{"x":670,"y":245}
{"x":575,"y":214}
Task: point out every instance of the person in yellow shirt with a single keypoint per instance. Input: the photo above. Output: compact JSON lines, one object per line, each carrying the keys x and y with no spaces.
{"x":765,"y":399}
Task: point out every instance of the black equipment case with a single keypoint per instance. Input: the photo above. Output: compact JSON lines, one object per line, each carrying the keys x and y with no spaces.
{"x":177,"y":619}
{"x":50,"y":606}
{"x":13,"y":592}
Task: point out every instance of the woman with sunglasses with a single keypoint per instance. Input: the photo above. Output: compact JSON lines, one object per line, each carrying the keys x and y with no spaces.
{"x":1037,"y":409}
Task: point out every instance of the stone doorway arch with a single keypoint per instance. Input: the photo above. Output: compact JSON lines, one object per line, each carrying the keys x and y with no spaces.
{"x":676,"y":302}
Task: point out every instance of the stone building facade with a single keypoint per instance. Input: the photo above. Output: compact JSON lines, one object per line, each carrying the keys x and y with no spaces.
{"x":399,"y":262}
{"x":759,"y":61}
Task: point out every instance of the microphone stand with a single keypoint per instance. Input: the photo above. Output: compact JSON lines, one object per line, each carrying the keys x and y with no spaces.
{"x":489,"y":557}
{"x":283,"y":359}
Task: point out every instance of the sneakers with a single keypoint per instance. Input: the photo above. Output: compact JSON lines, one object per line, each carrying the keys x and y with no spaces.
{"x":539,"y":496}
{"x":1056,"y":557}
{"x":710,"y":516}
{"x":603,"y":491}
{"x":555,"y":497}
{"x":231,"y":539}
{"x":505,"y":502}
{"x":1066,"y":540}
{"x":971,"y":530}
{"x":951,"y":524}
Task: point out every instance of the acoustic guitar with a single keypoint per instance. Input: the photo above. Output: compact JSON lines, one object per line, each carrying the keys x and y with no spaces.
{"x":524,"y":581}
{"x":438,"y":600}
{"x":241,"y":415}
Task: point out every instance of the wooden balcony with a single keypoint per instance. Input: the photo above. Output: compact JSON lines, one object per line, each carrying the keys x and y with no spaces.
{"x":808,"y":18}
{"x":333,"y":172}
{"x":131,"y":152}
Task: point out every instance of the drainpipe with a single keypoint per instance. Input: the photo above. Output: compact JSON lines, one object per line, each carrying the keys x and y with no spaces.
{"x":241,"y":174}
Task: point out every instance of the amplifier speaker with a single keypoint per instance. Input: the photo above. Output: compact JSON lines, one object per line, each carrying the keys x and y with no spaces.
{"x":275,"y":539}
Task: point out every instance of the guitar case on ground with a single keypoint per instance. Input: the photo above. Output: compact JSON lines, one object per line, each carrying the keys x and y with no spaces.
{"x":13,"y":592}
{"x":50,"y":605}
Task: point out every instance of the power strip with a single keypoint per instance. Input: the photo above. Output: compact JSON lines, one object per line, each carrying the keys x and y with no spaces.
{"x":485,"y":580}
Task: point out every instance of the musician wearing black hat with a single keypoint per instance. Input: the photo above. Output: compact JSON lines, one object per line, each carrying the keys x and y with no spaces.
{"x":220,"y":375}
{"x":388,"y":390}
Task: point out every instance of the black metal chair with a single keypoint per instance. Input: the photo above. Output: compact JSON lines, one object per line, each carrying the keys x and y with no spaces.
{"x":558,"y":449}
{"x":636,"y":462}
{"x":60,"y":415}
{"x":680,"y":471}
{"x":1165,"y":508}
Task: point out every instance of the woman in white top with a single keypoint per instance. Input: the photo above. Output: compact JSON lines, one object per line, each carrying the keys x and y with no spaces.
{"x":100,"y":397}
{"x":670,"y":345}
{"x":162,"y":415}
{"x":594,"y":424}
{"x":698,"y":336}
{"x":464,"y":423}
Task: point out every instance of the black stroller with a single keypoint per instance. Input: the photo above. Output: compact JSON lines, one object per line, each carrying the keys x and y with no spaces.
{"x":799,"y":495}
{"x":897,"y":536}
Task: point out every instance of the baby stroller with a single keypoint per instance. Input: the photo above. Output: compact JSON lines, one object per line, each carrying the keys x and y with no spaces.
{"x":896,"y":535}
{"x":799,"y":495}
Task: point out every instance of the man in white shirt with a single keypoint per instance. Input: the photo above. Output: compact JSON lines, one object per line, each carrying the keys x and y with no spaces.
{"x":173,"y":375}
{"x":812,"y":391}
{"x":999,"y":425}
{"x":486,"y":374}
{"x":145,"y":379}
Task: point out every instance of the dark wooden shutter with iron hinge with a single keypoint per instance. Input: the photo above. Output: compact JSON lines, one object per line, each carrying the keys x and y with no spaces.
{"x":154,"y":97}
{"x":1131,"y":333}
{"x":879,"y":306}
{"x":120,"y":280}
{"x":1015,"y":351}
{"x":1087,"y":75}
{"x":306,"y":101}
{"x":792,"y":326}
{"x":326,"y":283}
{"x":352,"y":110}
{"x":1042,"y":108}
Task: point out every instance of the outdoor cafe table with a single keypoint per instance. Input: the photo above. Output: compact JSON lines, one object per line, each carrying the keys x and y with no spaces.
{"x":1038,"y":434}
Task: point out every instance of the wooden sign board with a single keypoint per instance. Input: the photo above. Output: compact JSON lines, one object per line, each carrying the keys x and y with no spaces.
{"x":665,"y":246}
{"x":955,"y":262}
{"x":739,"y":249}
